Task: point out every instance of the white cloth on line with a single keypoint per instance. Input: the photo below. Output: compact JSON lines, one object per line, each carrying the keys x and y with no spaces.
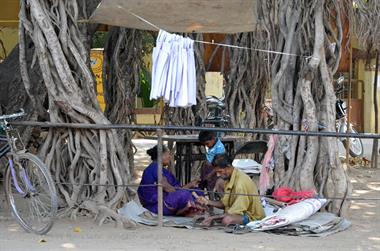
{"x":160,"y":65}
{"x":192,"y":76}
{"x":173,"y":67}
{"x":173,"y":70}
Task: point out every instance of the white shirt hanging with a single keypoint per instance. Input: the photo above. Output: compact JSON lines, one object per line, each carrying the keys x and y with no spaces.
{"x":182,"y":99}
{"x":173,"y":70}
{"x":192,"y":77}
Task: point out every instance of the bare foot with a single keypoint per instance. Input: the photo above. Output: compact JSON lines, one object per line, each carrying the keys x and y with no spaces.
{"x":191,"y":210}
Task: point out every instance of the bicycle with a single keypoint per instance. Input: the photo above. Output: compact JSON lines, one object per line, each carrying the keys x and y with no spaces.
{"x":29,"y":187}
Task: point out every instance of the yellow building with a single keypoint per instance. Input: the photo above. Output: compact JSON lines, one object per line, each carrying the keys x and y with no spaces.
{"x":8,"y":26}
{"x":96,"y":58}
{"x":367,"y":75}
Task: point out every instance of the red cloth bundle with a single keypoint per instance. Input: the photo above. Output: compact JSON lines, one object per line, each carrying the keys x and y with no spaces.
{"x":289,"y":196}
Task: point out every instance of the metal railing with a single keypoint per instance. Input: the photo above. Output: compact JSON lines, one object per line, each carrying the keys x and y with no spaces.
{"x":159,"y":130}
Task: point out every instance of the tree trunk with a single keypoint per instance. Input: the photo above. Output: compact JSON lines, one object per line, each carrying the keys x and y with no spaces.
{"x":123,"y":54}
{"x":303,"y":95}
{"x":246,"y":81}
{"x":75,"y":157}
{"x":14,"y":95}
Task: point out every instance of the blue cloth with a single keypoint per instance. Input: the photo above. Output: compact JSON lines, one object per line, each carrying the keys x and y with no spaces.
{"x":149,"y":197}
{"x":218,"y":148}
{"x":245,"y":219}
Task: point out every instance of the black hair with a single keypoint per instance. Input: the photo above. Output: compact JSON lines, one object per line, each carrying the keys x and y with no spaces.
{"x":153,"y":152}
{"x":222,"y":161}
{"x":206,"y":136}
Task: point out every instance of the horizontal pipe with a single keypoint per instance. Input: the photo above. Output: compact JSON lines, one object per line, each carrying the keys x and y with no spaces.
{"x":192,"y":128}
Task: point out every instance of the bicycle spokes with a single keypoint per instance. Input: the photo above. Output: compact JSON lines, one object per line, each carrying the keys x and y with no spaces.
{"x":30,"y":194}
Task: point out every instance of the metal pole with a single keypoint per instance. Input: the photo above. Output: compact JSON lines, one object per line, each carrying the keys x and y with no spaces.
{"x":193,"y":128}
{"x":375,"y":146}
{"x":349,"y":109}
{"x":162,"y":107}
{"x":159,"y":178}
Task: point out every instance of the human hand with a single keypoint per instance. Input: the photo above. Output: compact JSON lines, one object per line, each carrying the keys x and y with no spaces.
{"x":202,"y":200}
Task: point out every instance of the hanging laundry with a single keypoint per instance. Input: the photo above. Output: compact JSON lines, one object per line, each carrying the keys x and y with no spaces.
{"x":264,"y":173}
{"x":173,"y":70}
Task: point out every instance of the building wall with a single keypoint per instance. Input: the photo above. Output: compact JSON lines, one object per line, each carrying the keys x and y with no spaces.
{"x":96,"y":57}
{"x":214,"y":84}
{"x":369,"y":111}
{"x":9,"y":37}
{"x":8,"y":25}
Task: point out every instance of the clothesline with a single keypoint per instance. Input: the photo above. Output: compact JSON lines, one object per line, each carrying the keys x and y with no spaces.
{"x":222,"y":44}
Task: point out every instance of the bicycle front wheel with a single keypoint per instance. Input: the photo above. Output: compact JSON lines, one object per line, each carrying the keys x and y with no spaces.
{"x":31,"y":193}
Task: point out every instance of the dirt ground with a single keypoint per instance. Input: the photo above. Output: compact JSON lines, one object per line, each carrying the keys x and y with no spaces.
{"x":364,"y":233}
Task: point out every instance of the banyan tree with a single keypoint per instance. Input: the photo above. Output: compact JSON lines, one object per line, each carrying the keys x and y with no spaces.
{"x":292,"y":49}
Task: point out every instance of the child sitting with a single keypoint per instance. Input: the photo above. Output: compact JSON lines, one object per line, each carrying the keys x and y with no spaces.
{"x":213,"y":147}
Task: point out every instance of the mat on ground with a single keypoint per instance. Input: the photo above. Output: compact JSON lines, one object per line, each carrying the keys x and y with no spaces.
{"x":320,"y":224}
{"x":302,"y":219}
{"x":133,"y":211}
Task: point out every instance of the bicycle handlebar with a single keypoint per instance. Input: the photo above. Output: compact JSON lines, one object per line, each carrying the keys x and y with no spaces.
{"x":14,"y":115}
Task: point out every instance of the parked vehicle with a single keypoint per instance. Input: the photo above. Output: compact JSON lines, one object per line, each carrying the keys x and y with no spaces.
{"x":216,"y":116}
{"x":355,"y":145}
{"x":29,"y":187}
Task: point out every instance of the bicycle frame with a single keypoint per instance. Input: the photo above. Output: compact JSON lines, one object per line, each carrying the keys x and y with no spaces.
{"x":10,"y":150}
{"x":23,"y":176}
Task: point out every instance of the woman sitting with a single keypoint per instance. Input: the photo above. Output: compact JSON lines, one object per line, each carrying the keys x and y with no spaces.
{"x":175,"y":201}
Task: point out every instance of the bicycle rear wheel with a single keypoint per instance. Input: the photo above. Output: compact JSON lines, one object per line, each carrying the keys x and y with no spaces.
{"x":31,"y":194}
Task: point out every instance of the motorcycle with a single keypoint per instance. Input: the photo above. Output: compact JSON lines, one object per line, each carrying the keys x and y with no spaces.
{"x":216,"y":116}
{"x":356,"y":144}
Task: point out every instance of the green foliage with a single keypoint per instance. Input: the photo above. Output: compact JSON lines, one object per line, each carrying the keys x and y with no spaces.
{"x":148,"y":42}
{"x":145,"y":86}
{"x":99,"y":39}
{"x":145,"y":75}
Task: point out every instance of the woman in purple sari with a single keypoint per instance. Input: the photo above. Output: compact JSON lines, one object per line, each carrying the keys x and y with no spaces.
{"x":176,"y":202}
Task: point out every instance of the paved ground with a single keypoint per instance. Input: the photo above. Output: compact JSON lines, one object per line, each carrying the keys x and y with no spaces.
{"x":367,"y":144}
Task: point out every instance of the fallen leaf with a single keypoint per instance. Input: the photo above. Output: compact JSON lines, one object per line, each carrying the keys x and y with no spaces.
{"x":77,"y":230}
